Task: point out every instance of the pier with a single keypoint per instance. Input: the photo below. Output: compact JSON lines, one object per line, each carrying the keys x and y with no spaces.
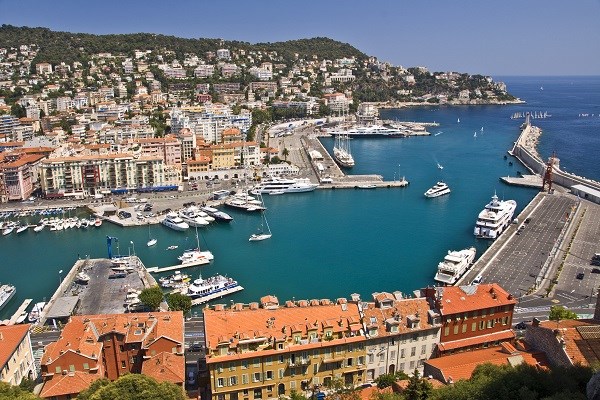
{"x":20,"y":310}
{"x":534,"y":181}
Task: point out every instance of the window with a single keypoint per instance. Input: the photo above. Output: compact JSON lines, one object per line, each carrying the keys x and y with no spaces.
{"x":360,"y":361}
{"x":455,"y":329}
{"x":232,"y":380}
{"x":220,"y":382}
{"x":269,"y":361}
{"x":256,"y":377}
{"x":245,"y":392}
{"x":244,"y":364}
{"x":72,"y":367}
{"x":490,"y":323}
{"x":281,"y":372}
{"x":382,"y":357}
{"x":412,"y":365}
{"x":381,"y":370}
{"x":315,"y":368}
{"x":269,"y":375}
{"x":464,"y":328}
{"x":393,"y":354}
{"x":413,"y":351}
{"x":483,"y":313}
{"x":292,"y":384}
{"x":233,"y":396}
{"x":423,"y":349}
{"x":371,"y":358}
{"x":281,"y":359}
{"x":279,"y":346}
{"x":58,"y":370}
{"x":232,"y":366}
{"x":481,"y":325}
{"x":258,"y":393}
{"x":446,"y":331}
{"x":244,"y":379}
{"x":256,"y":362}
{"x":401,"y":367}
{"x":349,"y":362}
{"x":473,"y":326}
{"x":87,"y":366}
{"x":402,"y":351}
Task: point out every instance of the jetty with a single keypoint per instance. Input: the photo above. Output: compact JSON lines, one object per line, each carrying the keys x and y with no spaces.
{"x":20,"y":310}
{"x":534,"y":181}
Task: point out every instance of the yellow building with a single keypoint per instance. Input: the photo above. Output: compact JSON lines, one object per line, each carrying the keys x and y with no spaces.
{"x":266,"y":351}
{"x":16,"y":355}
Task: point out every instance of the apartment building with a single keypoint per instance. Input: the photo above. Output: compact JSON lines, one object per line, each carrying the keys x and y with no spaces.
{"x":16,"y":354}
{"x":17,"y":173}
{"x":472,"y":317}
{"x":264,"y":351}
{"x":86,"y":175}
{"x":204,"y":71}
{"x":401,"y":334}
{"x":168,"y":148}
{"x":108,"y":346}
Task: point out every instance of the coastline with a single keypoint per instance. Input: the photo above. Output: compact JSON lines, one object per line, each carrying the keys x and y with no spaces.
{"x":400,"y":105}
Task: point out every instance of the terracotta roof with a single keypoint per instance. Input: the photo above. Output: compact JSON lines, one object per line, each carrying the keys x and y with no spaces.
{"x":492,"y":337}
{"x":71,"y":383}
{"x":460,"y":299}
{"x":399,"y":312}
{"x":461,"y":365}
{"x":10,"y":338}
{"x":581,"y":337}
{"x":165,"y":367}
{"x":231,"y":326}
{"x":23,"y":160}
{"x":373,"y":392}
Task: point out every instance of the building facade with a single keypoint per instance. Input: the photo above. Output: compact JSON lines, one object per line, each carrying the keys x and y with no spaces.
{"x":16,"y":354}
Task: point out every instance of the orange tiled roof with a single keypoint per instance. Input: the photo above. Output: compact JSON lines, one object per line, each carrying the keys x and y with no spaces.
{"x":23,"y":160}
{"x":71,"y":383}
{"x":165,"y":367}
{"x":401,"y":309}
{"x":11,"y":337}
{"x":492,"y":337}
{"x":459,"y":299}
{"x":461,"y":365}
{"x":579,"y":349}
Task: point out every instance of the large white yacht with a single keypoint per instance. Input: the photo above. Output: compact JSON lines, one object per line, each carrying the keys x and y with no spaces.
{"x":368,"y":131}
{"x":203,"y":290}
{"x":437,"y":190}
{"x":7,"y":292}
{"x":494,"y":218}
{"x":192,"y":218}
{"x":285,"y":185}
{"x":175,"y":222}
{"x":455,"y":264}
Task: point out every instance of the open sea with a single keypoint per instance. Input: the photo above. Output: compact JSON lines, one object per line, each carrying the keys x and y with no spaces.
{"x":331,"y":243}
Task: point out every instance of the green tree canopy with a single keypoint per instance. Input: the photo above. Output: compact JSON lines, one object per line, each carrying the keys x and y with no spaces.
{"x":179,"y":302}
{"x":133,"y":387}
{"x":418,"y":388}
{"x":8,"y":391}
{"x":151,"y":297}
{"x":558,"y":313}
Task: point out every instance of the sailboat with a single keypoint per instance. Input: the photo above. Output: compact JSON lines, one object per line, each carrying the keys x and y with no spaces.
{"x":151,"y":241}
{"x":440,"y":166}
{"x":193,"y":257}
{"x":482,"y":129}
{"x":458,"y":121}
{"x":341,"y":151}
{"x":261,"y":235}
{"x":475,"y":134}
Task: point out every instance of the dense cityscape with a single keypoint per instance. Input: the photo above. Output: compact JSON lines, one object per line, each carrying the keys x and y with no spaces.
{"x":119,"y":130}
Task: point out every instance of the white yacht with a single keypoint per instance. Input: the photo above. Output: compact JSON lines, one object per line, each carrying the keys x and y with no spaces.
{"x":437,"y":190}
{"x":192,"y":257}
{"x":494,"y":218}
{"x":341,"y":151}
{"x":35,"y":313}
{"x":276,"y":184}
{"x":175,"y":222}
{"x":203,"y":290}
{"x":455,"y":264}
{"x":192,"y":218}
{"x":6,"y":293}
{"x":217,"y":214}
{"x":369,"y":131}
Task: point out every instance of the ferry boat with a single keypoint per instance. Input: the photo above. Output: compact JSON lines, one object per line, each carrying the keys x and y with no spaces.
{"x":494,"y":218}
{"x":370,"y":131}
{"x":439,"y":189}
{"x":276,"y":184}
{"x":455,"y":264}
{"x":7,"y":292}
{"x":175,"y":222}
{"x":341,"y":152}
{"x":203,"y":290}
{"x":217,"y":214}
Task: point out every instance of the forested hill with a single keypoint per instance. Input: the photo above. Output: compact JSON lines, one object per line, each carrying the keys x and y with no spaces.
{"x":56,"y":47}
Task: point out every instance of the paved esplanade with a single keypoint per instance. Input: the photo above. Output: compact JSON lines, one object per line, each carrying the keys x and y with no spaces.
{"x":521,"y":260}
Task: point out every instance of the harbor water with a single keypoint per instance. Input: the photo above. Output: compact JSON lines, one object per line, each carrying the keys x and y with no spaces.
{"x":331,"y":243}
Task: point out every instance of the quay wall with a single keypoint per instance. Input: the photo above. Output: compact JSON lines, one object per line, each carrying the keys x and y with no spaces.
{"x":532,"y":161}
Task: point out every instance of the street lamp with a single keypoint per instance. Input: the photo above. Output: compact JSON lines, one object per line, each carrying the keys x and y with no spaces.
{"x":132,"y":244}
{"x":60,"y":277}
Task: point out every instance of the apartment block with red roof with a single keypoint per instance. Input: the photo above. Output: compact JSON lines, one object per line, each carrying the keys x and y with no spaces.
{"x":267,"y":351}
{"x":401,"y":334}
{"x":472,"y":317}
{"x":92,"y":347}
{"x":16,"y":354}
{"x":17,"y":171}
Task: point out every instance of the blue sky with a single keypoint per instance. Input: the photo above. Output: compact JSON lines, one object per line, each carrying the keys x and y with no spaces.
{"x":507,"y":37}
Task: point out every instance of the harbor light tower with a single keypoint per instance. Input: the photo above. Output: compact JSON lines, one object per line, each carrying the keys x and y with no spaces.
{"x":548,"y":174}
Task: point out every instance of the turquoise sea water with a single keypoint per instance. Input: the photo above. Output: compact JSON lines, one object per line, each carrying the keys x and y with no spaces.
{"x":331,"y":243}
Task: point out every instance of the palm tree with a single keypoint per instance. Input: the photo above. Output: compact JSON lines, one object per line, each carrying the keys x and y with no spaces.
{"x":285,"y":153}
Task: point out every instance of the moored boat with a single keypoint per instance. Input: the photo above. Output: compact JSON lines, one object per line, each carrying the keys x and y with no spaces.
{"x":494,"y":218}
{"x":175,"y":222}
{"x":278,"y":185}
{"x":217,"y":214}
{"x":203,"y":290}
{"x":455,"y":264}
{"x":7,"y":292}
{"x":35,"y":313}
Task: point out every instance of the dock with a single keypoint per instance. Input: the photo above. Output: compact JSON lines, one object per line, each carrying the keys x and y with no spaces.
{"x":534,"y":181}
{"x":20,"y":310}
{"x":158,"y":270}
{"x":213,"y":296}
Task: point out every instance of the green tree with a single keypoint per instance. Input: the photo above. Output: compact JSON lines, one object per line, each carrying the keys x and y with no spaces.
{"x":179,"y":302}
{"x":151,"y":297}
{"x":558,"y":313}
{"x":9,"y":392}
{"x":134,"y":387}
{"x":18,"y":111}
{"x":285,"y":153}
{"x":27,"y":384}
{"x":418,"y":388}
{"x":93,"y":388}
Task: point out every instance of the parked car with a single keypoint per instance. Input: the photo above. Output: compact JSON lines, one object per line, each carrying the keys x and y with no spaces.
{"x":521,"y":325}
{"x":195,"y":347}
{"x":580,"y":275}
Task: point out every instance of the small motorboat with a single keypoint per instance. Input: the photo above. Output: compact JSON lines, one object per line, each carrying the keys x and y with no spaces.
{"x":172,"y":247}
{"x":151,"y":242}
